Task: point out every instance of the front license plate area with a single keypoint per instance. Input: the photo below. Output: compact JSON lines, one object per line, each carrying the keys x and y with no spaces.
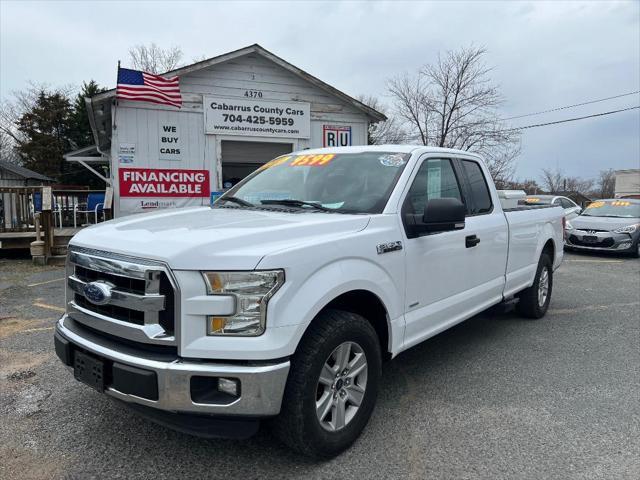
{"x":590,"y":239}
{"x":89,"y":370}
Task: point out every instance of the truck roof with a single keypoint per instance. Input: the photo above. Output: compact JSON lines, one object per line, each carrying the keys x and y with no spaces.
{"x":387,"y":148}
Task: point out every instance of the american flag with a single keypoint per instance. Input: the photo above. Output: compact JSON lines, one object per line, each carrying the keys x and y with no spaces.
{"x":147,"y":87}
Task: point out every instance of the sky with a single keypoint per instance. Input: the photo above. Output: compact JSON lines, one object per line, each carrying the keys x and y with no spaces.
{"x":545,"y":54}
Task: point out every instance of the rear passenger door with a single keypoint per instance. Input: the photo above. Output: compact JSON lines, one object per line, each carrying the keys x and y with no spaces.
{"x":487,"y":225}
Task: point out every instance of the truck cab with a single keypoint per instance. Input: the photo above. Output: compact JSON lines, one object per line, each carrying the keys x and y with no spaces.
{"x":282,"y":300}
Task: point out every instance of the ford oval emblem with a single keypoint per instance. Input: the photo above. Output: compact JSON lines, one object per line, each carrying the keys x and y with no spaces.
{"x":98,"y":293}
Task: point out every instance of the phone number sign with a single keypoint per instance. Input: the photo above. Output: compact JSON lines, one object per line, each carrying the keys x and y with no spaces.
{"x":260,"y":118}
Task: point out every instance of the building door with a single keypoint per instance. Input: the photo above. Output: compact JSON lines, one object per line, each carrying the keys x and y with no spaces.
{"x":239,"y":159}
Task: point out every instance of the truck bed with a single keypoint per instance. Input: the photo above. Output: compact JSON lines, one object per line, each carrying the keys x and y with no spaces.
{"x":530,"y":226}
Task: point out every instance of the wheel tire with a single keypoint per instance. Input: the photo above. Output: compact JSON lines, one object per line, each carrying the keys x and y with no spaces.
{"x":635,"y":253}
{"x":530,"y":305}
{"x":298,"y":425}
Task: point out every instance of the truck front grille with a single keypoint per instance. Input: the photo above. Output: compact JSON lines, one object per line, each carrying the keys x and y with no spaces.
{"x":139,"y":303}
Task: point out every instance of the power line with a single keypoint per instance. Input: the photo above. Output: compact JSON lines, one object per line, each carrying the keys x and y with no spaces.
{"x":589,"y":102}
{"x":571,"y":119}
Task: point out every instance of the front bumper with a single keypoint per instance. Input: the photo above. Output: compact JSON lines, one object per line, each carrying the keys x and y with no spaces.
{"x":600,"y":241}
{"x":162,"y":380}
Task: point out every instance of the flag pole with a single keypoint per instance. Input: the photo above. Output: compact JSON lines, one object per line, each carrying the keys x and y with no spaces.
{"x":115,"y":111}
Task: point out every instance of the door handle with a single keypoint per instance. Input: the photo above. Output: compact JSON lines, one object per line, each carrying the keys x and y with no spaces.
{"x":471,"y":241}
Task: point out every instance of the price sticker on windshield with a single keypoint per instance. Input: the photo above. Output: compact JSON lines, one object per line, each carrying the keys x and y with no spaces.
{"x":275,"y":162}
{"x":595,"y":205}
{"x":312,"y":160}
{"x":300,"y":161}
{"x":619,"y":203}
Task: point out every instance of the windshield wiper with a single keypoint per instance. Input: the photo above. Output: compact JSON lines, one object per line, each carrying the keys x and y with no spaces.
{"x":237,"y":200}
{"x":297,"y":203}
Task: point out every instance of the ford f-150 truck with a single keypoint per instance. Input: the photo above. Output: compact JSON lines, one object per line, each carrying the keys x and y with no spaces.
{"x":281,"y":300}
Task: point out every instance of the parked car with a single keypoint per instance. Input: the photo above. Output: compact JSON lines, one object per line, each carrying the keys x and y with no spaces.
{"x":282,"y":299}
{"x":611,"y":225}
{"x":571,"y":208}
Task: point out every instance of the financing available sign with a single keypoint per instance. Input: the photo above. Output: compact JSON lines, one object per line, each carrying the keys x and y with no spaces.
{"x":256,"y":117}
{"x":163,"y":182}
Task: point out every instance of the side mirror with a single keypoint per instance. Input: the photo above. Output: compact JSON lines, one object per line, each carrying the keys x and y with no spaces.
{"x":443,"y":215}
{"x":440,"y":215}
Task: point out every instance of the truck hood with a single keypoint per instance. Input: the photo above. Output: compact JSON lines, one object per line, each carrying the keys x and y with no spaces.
{"x":219,"y":238}
{"x":584,"y":222}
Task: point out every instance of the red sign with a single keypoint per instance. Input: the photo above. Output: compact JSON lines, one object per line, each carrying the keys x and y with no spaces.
{"x":163,"y":182}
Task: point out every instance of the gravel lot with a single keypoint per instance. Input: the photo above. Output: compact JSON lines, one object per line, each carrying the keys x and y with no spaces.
{"x":494,"y":397}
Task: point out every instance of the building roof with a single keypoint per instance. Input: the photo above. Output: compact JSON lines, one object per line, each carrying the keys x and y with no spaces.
{"x":255,"y":48}
{"x":100,"y":116}
{"x":24,"y":172}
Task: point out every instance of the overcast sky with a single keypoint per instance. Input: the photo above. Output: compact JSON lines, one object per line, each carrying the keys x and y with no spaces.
{"x":546,"y":55}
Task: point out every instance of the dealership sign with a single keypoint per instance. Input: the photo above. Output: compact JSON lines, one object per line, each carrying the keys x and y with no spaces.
{"x":336,"y":136}
{"x":163,"y":182}
{"x":258,"y":118}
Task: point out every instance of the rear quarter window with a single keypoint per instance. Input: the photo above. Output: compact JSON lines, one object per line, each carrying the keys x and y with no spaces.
{"x":478,"y":187}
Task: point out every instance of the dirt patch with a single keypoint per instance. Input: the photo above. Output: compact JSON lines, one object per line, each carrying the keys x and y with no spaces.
{"x":29,"y":463}
{"x":12,"y":325}
{"x":15,"y":362}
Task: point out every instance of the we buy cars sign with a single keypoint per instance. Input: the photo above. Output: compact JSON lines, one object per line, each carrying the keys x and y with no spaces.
{"x":163,"y":182}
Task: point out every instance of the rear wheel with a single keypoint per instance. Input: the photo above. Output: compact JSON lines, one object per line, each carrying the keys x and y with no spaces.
{"x":534,"y":301}
{"x":332,"y":386}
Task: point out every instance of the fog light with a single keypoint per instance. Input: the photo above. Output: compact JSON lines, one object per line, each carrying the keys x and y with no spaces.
{"x":230,"y":386}
{"x":622,"y":246}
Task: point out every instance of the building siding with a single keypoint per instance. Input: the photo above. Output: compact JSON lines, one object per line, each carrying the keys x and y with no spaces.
{"x":139,"y":123}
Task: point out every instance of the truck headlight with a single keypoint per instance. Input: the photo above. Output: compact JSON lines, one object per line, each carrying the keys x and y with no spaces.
{"x":252,"y":291}
{"x":627,"y":229}
{"x":568,"y":226}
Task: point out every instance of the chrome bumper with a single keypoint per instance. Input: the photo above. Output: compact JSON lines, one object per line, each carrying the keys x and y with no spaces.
{"x":261,"y":385}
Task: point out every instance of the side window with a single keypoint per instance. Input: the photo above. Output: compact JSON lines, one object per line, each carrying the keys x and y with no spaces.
{"x":558,"y":201}
{"x":435,"y":179}
{"x":567,"y":203}
{"x":478,"y":187}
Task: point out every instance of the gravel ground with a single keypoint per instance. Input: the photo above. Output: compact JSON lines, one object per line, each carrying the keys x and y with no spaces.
{"x":494,"y":397}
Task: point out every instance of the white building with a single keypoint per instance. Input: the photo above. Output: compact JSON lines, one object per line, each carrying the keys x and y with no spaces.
{"x":627,"y":183}
{"x":239,"y":110}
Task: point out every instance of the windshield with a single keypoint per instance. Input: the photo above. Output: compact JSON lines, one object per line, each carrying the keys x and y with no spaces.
{"x":613,"y":208}
{"x":342,"y":182}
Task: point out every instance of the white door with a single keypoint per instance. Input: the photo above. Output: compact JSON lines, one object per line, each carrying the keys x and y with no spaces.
{"x":486,"y":262}
{"x":436,"y":264}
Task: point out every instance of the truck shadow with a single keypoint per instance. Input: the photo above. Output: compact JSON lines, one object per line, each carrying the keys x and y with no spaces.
{"x":432,"y":366}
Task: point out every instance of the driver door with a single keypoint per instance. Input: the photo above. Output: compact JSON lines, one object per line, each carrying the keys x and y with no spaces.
{"x":435,"y":263}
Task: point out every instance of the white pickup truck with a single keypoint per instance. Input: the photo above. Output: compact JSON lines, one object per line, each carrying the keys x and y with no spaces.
{"x":281,"y":301}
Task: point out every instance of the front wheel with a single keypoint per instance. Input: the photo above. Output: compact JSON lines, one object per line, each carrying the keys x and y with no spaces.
{"x":332,"y":386}
{"x":534,"y":301}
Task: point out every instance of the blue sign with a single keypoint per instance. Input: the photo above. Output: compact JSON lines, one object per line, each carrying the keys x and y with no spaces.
{"x":214,"y":196}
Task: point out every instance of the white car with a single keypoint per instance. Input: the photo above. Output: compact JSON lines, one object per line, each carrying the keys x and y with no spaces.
{"x":282,"y":300}
{"x":571,"y":208}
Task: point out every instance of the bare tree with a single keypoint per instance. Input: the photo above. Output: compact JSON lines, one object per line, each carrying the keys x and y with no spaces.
{"x":529,"y":185}
{"x":452,"y":103}
{"x":552,"y":180}
{"x":389,"y":131}
{"x":577,"y":184}
{"x":501,"y":163}
{"x":606,"y":183}
{"x":154,"y":59}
